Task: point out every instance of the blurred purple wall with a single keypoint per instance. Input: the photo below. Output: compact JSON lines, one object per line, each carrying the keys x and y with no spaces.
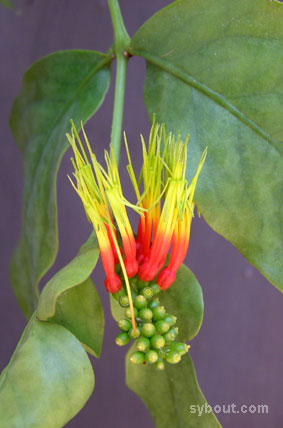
{"x":238,"y":353}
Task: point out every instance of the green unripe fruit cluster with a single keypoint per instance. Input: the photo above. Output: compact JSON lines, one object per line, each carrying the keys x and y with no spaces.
{"x":155,"y":331}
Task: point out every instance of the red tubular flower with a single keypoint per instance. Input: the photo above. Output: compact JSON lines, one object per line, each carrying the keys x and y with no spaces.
{"x":172,"y":226}
{"x":112,"y":281}
{"x":97,"y":211}
{"x":180,"y":244}
{"x":162,"y":239}
{"x":118,"y":203}
{"x":181,"y":235}
{"x":149,"y":201}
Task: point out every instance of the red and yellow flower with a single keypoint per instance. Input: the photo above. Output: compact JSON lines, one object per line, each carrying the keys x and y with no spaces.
{"x":165,"y":205}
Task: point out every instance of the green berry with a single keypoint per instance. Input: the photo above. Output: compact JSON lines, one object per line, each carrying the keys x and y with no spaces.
{"x":181,"y":348}
{"x":171,"y":334}
{"x":151,"y":356}
{"x":153,"y":303}
{"x":134,"y":335}
{"x":140,"y":302}
{"x":137,"y":357}
{"x":145,"y":314}
{"x":124,"y":301}
{"x":173,"y":357}
{"x":159,"y":313}
{"x":147,"y":292}
{"x":162,"y":326}
{"x":119,"y":294}
{"x":159,"y":365}
{"x":124,"y":324}
{"x":143,"y":344}
{"x":171,"y":319}
{"x":122,"y":339}
{"x":155,"y":288}
{"x":157,"y":341}
{"x":128,"y":313}
{"x":148,"y":329}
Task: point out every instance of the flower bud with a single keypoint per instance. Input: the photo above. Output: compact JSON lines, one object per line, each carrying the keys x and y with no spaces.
{"x":147,"y":292}
{"x":151,"y":356}
{"x":134,"y":335}
{"x":145,"y":314}
{"x":162,"y":326}
{"x":122,"y":339}
{"x":128,"y":313}
{"x":153,"y":303}
{"x":143,"y":344}
{"x":180,"y":347}
{"x":159,"y":313}
{"x":124,"y":301}
{"x":124,"y":324}
{"x":137,"y":357}
{"x":140,"y":302}
{"x":157,"y":341}
{"x":148,"y":329}
{"x":173,"y":357}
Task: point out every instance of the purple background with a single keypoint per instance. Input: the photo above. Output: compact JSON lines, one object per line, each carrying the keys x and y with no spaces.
{"x":238,"y":352}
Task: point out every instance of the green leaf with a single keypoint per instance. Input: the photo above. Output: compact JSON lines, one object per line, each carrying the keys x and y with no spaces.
{"x":184,"y":300}
{"x":79,"y":309}
{"x":70,"y":299}
{"x":9,"y":5}
{"x":48,"y":380}
{"x":169,"y":394}
{"x":215,"y":71}
{"x":64,"y":85}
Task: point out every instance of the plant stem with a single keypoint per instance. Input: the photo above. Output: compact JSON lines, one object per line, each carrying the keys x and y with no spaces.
{"x":118,"y":108}
{"x":121,"y":37}
{"x":121,"y":42}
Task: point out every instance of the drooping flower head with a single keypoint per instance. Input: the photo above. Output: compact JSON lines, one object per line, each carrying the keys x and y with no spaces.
{"x":168,"y":200}
{"x":165,"y":205}
{"x":181,"y":231}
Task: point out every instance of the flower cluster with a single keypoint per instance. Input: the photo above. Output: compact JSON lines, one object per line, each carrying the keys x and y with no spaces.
{"x":165,"y":206}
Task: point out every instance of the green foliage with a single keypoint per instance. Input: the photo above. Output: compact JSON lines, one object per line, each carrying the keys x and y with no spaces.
{"x":184,"y":299}
{"x":48,"y":380}
{"x":70,"y":299}
{"x":9,"y":5}
{"x":64,"y":85}
{"x":169,"y":393}
{"x":215,"y":71}
{"x":79,"y":309}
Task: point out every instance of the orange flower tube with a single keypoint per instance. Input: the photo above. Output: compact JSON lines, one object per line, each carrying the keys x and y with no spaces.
{"x":180,"y":244}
